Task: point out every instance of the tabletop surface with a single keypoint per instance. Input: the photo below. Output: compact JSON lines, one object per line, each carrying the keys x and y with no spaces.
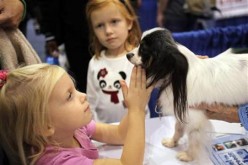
{"x":157,"y":154}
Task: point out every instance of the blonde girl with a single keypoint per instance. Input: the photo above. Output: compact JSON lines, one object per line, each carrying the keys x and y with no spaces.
{"x":45,"y":120}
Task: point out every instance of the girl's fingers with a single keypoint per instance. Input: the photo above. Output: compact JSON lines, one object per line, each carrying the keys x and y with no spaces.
{"x":124,"y":88}
{"x":149,"y":90}
{"x":133,"y":77}
{"x":143,"y":79}
{"x":139,"y":77}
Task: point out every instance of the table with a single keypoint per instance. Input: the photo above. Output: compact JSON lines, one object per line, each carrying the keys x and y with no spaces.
{"x":159,"y":128}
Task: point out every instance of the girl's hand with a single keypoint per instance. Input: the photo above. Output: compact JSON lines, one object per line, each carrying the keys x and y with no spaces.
{"x":137,"y":96}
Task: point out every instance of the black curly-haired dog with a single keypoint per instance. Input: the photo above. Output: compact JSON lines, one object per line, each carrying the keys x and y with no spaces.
{"x":185,"y":80}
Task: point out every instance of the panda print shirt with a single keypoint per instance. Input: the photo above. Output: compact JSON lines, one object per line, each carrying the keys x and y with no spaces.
{"x":103,"y":87}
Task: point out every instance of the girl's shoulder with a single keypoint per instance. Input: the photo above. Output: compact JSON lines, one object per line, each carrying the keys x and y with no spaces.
{"x":84,"y":155}
{"x":55,"y":156}
{"x":103,"y":58}
{"x":96,"y":59}
{"x":89,"y":129}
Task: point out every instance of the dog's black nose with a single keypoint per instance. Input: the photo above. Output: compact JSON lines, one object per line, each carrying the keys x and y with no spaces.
{"x":129,"y":55}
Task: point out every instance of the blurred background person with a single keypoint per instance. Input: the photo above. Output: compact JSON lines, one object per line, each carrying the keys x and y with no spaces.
{"x":147,"y":13}
{"x":64,"y":22}
{"x":32,"y":12}
{"x":171,"y":15}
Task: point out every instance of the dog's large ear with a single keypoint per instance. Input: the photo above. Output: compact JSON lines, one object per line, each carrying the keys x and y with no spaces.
{"x":157,"y":40}
{"x":159,"y":49}
{"x":164,"y":61}
{"x":149,"y":46}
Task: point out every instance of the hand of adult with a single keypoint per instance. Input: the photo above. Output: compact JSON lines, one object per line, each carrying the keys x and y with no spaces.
{"x":220,"y":112}
{"x":11,"y":13}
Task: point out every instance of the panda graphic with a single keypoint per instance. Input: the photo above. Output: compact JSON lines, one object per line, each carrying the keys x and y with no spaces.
{"x":110,"y":84}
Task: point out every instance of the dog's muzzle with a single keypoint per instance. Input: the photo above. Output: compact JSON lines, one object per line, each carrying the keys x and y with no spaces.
{"x":129,"y":56}
{"x":134,"y":58}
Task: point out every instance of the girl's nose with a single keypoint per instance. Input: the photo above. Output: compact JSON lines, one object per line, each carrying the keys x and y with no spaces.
{"x":82,"y":97}
{"x":108,"y":29}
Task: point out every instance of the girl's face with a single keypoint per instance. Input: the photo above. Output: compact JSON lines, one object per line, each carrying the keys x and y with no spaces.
{"x":111,"y":28}
{"x":68,"y":108}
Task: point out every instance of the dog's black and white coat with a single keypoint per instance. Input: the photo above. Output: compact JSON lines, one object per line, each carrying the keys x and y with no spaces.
{"x":185,"y":80}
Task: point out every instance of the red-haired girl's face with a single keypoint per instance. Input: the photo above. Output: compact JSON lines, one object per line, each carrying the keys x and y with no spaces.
{"x":111,"y":28}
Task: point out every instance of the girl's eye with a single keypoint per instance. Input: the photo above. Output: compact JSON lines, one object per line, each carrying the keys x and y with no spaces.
{"x":69,"y":96}
{"x":115,"y":21}
{"x":99,"y":25}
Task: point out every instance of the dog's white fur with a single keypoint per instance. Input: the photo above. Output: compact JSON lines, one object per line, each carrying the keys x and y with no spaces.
{"x":222,"y":79}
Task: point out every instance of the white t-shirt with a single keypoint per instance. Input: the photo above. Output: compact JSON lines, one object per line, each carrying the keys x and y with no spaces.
{"x":103,"y":88}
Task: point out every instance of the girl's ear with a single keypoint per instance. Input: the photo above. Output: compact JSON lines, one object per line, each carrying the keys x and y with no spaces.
{"x":49,"y":131}
{"x":130,"y":25}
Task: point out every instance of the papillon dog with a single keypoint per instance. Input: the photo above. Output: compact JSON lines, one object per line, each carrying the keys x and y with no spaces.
{"x":184,"y":81}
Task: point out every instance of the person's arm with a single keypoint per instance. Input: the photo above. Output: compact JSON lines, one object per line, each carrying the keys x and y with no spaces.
{"x":235,"y":114}
{"x":232,"y":114}
{"x":162,"y":5}
{"x":131,"y":130}
{"x":221,"y":112}
{"x":11,"y":13}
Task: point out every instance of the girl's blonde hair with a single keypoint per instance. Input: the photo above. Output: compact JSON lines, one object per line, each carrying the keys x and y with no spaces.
{"x":126,"y":10}
{"x":23,"y":111}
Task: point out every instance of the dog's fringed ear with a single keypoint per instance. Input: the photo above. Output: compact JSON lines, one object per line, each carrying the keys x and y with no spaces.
{"x":165,"y":62}
{"x":179,"y":86}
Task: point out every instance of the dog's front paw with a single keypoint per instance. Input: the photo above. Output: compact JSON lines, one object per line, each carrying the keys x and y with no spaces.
{"x":184,"y":156}
{"x":168,"y":142}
